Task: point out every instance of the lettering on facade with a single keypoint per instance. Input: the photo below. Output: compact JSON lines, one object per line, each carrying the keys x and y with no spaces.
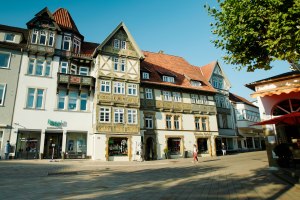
{"x":57,"y":124}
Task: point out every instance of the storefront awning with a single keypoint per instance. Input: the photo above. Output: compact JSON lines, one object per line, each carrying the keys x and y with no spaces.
{"x":292,"y":118}
{"x":276,"y":91}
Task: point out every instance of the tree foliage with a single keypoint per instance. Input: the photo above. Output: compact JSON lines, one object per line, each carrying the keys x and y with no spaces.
{"x":254,"y":33}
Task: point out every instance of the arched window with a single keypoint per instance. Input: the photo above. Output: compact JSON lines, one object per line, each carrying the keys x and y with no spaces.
{"x":286,"y":106}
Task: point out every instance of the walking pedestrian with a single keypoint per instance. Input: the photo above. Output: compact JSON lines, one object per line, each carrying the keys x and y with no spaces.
{"x":195,"y":154}
{"x":7,"y":150}
{"x":223,"y":149}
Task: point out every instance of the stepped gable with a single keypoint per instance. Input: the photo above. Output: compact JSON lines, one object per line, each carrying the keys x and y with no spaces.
{"x":64,"y":20}
{"x":159,"y":64}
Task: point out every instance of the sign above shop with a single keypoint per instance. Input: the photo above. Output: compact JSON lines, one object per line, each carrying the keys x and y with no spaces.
{"x":57,"y":124}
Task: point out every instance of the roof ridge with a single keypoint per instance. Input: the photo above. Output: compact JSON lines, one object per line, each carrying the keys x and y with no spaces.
{"x":165,"y":54}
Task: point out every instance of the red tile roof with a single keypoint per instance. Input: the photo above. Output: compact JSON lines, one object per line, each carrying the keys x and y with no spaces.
{"x":207,"y":70}
{"x":236,"y":98}
{"x":88,"y":48}
{"x":64,"y":20}
{"x":160,"y":63}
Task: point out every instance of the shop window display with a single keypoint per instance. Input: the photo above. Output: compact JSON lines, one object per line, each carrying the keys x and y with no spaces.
{"x":28,"y":145}
{"x":174,"y":146}
{"x":118,"y":147}
{"x":76,"y":145}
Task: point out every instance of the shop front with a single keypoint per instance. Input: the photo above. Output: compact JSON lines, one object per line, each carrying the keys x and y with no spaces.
{"x":28,"y":145}
{"x":53,"y":145}
{"x":76,"y":146}
{"x":118,"y":148}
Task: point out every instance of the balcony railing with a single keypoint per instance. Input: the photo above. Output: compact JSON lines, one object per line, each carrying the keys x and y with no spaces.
{"x":79,"y":81}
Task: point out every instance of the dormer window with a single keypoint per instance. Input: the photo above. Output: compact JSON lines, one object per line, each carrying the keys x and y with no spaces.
{"x":196,"y":83}
{"x":169,"y":79}
{"x":9,"y":37}
{"x":34,"y":36}
{"x":67,"y":43}
{"x":76,"y":45}
{"x":145,"y":75}
{"x":43,"y":38}
{"x":217,"y":82}
{"x":116,"y":43}
{"x":51,"y":39}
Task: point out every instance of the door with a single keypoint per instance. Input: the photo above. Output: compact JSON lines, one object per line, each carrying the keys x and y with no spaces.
{"x":53,"y":145}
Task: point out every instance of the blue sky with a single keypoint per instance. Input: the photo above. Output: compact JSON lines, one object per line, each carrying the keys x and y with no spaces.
{"x":178,"y":27}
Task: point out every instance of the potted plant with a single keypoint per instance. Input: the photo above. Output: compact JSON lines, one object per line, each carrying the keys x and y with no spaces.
{"x":166,"y":151}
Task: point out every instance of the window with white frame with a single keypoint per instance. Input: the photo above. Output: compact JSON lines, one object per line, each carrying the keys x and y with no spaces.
{"x":149,"y":94}
{"x":84,"y":71}
{"x":197,"y":123}
{"x":64,"y":67}
{"x":39,"y":67}
{"x":43,"y":37}
{"x":196,"y":83}
{"x":131,"y":116}
{"x":62,"y":99}
{"x":194,"y":98}
{"x":35,"y":98}
{"x":2,"y":93}
{"x":119,"y":115}
{"x":116,"y":63}
{"x":169,"y":121}
{"x":34,"y":36}
{"x":51,"y":39}
{"x":9,"y":37}
{"x":105,"y":86}
{"x":217,"y":82}
{"x":145,"y":75}
{"x":67,"y":43}
{"x":123,"y":65}
{"x":203,"y":99}
{"x":116,"y":43}
{"x":123,"y":44}
{"x":119,"y":88}
{"x":76,"y":45}
{"x":104,"y":114}
{"x":167,"y":96}
{"x":177,"y":96}
{"x":169,"y":79}
{"x":73,"y":69}
{"x":176,"y":122}
{"x":4,"y":59}
{"x":204,"y":123}
{"x":83,"y":101}
{"x":132,"y":89}
{"x":72,"y":104}
{"x":149,"y":122}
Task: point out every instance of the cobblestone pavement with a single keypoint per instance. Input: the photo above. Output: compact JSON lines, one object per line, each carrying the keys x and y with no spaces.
{"x":240,"y":176}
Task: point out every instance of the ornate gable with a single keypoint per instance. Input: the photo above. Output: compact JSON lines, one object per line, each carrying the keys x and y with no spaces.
{"x":43,"y":20}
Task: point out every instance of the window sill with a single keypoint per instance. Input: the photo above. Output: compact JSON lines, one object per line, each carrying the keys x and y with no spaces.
{"x":78,"y":111}
{"x":37,"y":109}
{"x":32,"y":75}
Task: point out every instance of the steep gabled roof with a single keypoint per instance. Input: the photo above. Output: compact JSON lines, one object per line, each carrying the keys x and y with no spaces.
{"x":88,"y":48}
{"x":239,"y":99}
{"x":159,"y":64}
{"x":135,"y":46}
{"x":65,"y":21}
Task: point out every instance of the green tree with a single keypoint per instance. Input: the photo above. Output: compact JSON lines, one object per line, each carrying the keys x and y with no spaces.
{"x":254,"y":33}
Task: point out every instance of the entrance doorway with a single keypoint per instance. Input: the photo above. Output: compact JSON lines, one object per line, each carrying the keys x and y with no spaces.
{"x":202,"y":145}
{"x":149,"y":155}
{"x":53,"y":145}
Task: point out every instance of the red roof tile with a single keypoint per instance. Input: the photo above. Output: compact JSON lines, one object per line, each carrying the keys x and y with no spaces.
{"x":207,"y":70}
{"x":159,"y":64}
{"x":64,"y":20}
{"x":236,"y":98}
{"x":88,"y":48}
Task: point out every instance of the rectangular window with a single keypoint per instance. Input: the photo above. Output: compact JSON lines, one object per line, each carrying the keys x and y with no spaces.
{"x":203,"y":99}
{"x":196,"y":83}
{"x":167,"y":96}
{"x":84,"y":71}
{"x":2,"y":93}
{"x":145,"y":75}
{"x":116,"y":63}
{"x":35,"y":98}
{"x":67,"y":43}
{"x":116,"y":43}
{"x":176,"y":122}
{"x":123,"y":44}
{"x":9,"y":37}
{"x":48,"y":68}
{"x":61,"y":99}
{"x":149,"y":122}
{"x":224,"y":121}
{"x":83,"y":101}
{"x":204,"y":123}
{"x":132,"y":116}
{"x":104,"y":114}
{"x":194,"y":98}
{"x":123,"y":65}
{"x":39,"y":68}
{"x":119,"y":88}
{"x":168,"y":122}
{"x":72,"y":100}
{"x":43,"y":38}
{"x":76,"y":45}
{"x":174,"y":146}
{"x":132,"y":89}
{"x":149,"y":94}
{"x":169,"y":79}
{"x":105,"y":86}
{"x":34,"y":36}
{"x":73,"y":69}
{"x":51,"y":39}
{"x":119,"y":115}
{"x":197,"y":123}
{"x":177,"y":96}
{"x":4,"y":60}
{"x":64,"y":67}
{"x":31,"y":66}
